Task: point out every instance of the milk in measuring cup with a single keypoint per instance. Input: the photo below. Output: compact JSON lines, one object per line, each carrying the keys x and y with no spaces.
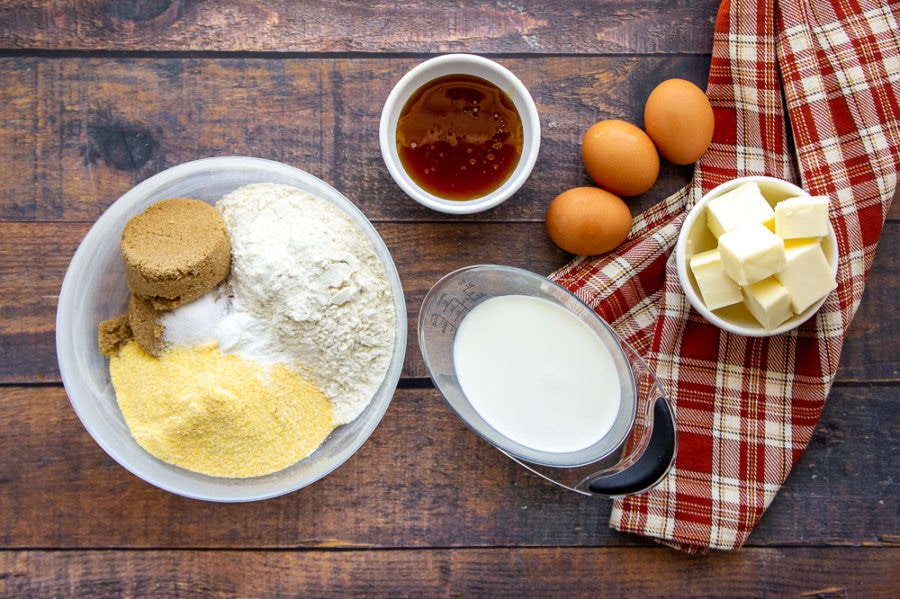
{"x":536,"y":373}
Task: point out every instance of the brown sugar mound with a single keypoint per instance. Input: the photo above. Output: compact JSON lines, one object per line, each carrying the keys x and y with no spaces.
{"x":175,"y":251}
{"x":114,"y":333}
{"x":146,"y":325}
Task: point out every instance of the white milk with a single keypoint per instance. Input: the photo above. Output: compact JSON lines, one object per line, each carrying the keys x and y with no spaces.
{"x":536,"y":373}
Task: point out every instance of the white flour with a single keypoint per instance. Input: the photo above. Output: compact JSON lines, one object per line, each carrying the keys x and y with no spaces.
{"x":309,"y":290}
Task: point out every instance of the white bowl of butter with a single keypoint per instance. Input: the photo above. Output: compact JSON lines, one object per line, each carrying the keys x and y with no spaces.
{"x":757,"y":256}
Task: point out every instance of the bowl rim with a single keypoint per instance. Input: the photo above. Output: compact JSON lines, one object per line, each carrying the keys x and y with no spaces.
{"x":450,"y":64}
{"x":684,"y":277}
{"x":82,"y":391}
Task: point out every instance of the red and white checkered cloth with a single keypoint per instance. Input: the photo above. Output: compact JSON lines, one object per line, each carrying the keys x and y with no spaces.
{"x":803,"y":90}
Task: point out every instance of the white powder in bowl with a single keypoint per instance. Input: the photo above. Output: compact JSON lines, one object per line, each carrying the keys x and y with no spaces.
{"x":308,"y":289}
{"x":196,"y":322}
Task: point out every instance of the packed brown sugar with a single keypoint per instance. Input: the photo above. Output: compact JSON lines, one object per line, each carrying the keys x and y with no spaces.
{"x":175,"y":251}
{"x":218,"y":414}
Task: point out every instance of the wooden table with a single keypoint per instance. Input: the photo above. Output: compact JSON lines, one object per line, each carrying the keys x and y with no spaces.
{"x":98,"y":95}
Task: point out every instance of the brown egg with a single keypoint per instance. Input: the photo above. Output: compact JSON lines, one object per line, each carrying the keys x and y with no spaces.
{"x":620,"y":157}
{"x":679,"y":119}
{"x":588,"y":221}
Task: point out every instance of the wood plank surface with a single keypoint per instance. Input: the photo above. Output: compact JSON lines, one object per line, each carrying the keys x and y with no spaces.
{"x":533,"y":572}
{"x":83,"y":131}
{"x":423,"y":253}
{"x":99,"y":95}
{"x":340,"y":26}
{"x":421,"y":480}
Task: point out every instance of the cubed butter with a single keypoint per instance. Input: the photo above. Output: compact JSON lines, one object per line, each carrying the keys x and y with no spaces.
{"x":768,"y":302}
{"x":741,"y":206}
{"x":801,"y":217}
{"x":717,"y":289}
{"x":751,"y":253}
{"x":806,"y":275}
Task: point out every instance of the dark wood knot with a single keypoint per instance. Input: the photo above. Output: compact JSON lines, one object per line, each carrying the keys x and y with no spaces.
{"x":142,"y":17}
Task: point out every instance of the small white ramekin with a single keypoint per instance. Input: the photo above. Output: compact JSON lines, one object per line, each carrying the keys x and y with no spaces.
{"x":460,"y":64}
{"x":695,"y":237}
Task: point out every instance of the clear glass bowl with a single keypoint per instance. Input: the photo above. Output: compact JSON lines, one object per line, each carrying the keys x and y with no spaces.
{"x":632,"y":457}
{"x":94,"y":289}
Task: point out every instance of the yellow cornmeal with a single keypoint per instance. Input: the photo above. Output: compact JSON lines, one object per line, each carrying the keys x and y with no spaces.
{"x":218,"y":414}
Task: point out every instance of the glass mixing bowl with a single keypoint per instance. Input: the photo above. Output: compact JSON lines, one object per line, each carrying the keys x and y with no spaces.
{"x":94,"y":290}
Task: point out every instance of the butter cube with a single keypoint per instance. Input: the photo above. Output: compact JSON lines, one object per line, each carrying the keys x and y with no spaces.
{"x":716,"y":288}
{"x":751,"y":253}
{"x":801,"y":217}
{"x":806,"y":274}
{"x":741,"y":206}
{"x":769,"y":302}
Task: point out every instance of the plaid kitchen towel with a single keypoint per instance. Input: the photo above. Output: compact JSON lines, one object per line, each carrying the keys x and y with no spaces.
{"x":803,"y":90}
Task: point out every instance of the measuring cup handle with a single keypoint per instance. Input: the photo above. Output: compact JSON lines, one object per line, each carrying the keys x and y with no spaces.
{"x":652,"y":466}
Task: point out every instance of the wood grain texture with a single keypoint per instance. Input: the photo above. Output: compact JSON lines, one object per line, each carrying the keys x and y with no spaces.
{"x":522,"y":572}
{"x":421,"y":480}
{"x":339,"y":26}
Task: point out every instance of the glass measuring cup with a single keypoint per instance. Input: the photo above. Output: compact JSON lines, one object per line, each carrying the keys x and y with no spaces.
{"x":639,"y":449}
